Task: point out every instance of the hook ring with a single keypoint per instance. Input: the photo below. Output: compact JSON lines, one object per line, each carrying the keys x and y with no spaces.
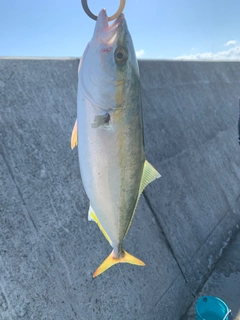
{"x":94,"y":17}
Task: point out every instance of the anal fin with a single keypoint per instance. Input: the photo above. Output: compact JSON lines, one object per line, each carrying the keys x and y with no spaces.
{"x":92,"y":216}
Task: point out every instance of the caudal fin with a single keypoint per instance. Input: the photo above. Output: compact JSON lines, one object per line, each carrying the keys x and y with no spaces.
{"x":111,"y":261}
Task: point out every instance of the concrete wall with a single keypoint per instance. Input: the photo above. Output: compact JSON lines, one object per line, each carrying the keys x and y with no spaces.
{"x":48,"y":249}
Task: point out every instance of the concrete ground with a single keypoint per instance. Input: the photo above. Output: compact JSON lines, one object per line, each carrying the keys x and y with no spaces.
{"x":224,"y":282}
{"x":183,"y":222}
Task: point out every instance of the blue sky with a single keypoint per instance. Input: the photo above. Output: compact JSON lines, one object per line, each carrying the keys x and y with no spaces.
{"x":161,"y":29}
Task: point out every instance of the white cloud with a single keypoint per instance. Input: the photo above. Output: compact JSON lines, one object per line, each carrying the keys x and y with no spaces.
{"x":231,"y":54}
{"x":140,"y":53}
{"x":230,"y":43}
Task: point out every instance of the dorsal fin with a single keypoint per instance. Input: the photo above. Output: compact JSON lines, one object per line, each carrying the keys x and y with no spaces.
{"x":149,"y":174}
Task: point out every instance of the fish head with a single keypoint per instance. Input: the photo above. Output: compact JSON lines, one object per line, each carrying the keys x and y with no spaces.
{"x":108,"y":64}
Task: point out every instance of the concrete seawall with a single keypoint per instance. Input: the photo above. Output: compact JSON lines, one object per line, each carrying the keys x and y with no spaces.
{"x":48,"y":249}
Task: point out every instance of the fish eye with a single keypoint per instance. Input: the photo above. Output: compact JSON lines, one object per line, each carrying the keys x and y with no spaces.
{"x":120,"y":55}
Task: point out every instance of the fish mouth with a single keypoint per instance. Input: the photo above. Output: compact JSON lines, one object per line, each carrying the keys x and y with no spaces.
{"x":107,"y":33}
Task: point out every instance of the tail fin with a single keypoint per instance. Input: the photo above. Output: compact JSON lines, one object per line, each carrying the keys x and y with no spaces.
{"x":111,"y":260}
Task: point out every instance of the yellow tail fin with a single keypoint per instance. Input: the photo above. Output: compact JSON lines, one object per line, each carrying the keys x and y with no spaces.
{"x":111,"y":261}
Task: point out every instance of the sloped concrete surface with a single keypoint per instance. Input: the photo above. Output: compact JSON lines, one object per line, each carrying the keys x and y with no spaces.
{"x":191,"y":114}
{"x":48,"y":249}
{"x":224,"y":282}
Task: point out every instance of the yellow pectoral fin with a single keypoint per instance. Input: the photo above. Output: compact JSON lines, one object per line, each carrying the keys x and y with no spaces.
{"x":149,"y":175}
{"x":111,"y":261}
{"x":74,"y":137}
{"x":92,"y":216}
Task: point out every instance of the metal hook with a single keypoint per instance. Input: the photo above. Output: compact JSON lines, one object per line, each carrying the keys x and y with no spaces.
{"x":114,"y":16}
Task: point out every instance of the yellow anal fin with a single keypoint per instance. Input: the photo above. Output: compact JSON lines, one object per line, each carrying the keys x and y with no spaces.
{"x":111,"y":261}
{"x":74,"y":137}
{"x":92,"y":216}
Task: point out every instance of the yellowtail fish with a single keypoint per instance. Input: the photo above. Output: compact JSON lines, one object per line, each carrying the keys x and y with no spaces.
{"x":109,"y":134}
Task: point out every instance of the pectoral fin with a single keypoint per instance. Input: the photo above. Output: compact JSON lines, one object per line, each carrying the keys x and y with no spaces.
{"x":92,"y":216}
{"x":100,"y":120}
{"x":74,"y":137}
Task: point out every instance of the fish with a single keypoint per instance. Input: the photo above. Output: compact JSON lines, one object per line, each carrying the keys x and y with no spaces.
{"x":109,"y":134}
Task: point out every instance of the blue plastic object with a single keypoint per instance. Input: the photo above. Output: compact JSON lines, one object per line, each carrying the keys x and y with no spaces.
{"x":212,"y":308}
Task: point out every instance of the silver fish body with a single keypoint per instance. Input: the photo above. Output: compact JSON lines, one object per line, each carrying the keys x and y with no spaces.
{"x":110,"y":130}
